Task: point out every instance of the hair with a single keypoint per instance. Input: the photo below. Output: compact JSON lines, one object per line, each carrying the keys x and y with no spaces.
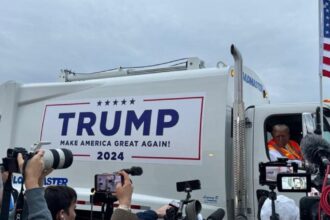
{"x":282,"y":127}
{"x":58,"y":198}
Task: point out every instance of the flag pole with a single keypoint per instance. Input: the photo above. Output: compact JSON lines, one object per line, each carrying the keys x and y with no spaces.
{"x":321,"y":36}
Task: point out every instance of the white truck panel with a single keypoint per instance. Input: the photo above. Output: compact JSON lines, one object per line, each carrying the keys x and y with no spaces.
{"x":22,"y":109}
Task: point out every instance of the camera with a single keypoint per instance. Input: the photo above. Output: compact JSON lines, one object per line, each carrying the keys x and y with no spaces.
{"x":193,"y":207}
{"x":53,"y":158}
{"x":190,"y":185}
{"x":268,"y":171}
{"x":107,"y":182}
{"x":294,"y":182}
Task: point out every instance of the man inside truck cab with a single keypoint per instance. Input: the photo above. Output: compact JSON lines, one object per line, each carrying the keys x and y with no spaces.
{"x":281,"y":146}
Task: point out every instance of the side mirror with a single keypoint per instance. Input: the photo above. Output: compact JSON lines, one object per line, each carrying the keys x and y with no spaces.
{"x":308,"y":123}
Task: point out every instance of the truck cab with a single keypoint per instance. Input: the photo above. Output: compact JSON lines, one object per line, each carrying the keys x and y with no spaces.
{"x":301,"y":118}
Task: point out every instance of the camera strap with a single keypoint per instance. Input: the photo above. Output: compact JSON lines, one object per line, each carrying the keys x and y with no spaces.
{"x":20,"y":199}
{"x":6,"y":198}
{"x":20,"y":203}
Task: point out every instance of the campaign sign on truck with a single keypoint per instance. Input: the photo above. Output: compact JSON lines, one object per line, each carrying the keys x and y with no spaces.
{"x":134,"y":128}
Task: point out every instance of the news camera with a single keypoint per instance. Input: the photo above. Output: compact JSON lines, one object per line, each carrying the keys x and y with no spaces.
{"x":316,"y":152}
{"x":268,"y":171}
{"x":53,"y":158}
{"x":192,"y":207}
{"x":268,"y":175}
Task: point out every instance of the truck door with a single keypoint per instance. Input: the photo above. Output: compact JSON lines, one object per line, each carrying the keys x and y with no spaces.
{"x":249,"y":141}
{"x":278,"y":126}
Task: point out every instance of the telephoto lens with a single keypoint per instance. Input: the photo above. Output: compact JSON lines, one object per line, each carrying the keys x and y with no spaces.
{"x":59,"y":158}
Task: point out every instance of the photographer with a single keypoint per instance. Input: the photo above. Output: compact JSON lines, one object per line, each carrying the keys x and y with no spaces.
{"x":34,"y":173}
{"x":124,"y":195}
{"x":61,"y":201}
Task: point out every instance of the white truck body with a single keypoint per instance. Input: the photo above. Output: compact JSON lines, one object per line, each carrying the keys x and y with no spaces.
{"x":176,"y":125}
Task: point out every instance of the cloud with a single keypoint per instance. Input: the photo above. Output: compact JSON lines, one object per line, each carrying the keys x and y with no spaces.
{"x":279,"y":40}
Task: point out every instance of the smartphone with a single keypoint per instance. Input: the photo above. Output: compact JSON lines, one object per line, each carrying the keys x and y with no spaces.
{"x":294,"y":182}
{"x":107,"y":182}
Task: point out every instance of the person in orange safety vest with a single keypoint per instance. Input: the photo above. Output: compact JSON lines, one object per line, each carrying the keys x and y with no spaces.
{"x":281,"y":145}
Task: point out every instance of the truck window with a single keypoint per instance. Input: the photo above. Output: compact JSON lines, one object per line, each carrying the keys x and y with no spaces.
{"x":326,"y":132}
{"x":288,"y":140}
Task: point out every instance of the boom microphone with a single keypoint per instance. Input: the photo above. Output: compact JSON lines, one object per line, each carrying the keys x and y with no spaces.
{"x":134,"y":171}
{"x":315,"y":149}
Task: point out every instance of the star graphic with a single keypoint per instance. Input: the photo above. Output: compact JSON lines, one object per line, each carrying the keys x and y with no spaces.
{"x":115,"y":102}
{"x":107,"y":102}
{"x":131,"y":102}
{"x":99,"y":103}
{"x":123,"y":102}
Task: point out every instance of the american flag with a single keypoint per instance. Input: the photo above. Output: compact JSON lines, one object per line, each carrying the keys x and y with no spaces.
{"x":326,"y":38}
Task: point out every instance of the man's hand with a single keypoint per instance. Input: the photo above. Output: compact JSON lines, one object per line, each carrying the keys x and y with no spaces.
{"x":161,"y":212}
{"x":43,"y":175}
{"x":34,"y":169}
{"x":124,"y":191}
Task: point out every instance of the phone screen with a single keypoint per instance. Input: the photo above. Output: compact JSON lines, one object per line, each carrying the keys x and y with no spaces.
{"x":107,"y":182}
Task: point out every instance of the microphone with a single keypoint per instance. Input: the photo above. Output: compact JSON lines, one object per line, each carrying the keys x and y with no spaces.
{"x":134,"y":171}
{"x":315,"y":149}
{"x":217,"y":215}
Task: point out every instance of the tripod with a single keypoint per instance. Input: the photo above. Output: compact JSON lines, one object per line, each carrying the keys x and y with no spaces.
{"x":272,"y":197}
{"x":107,"y":200}
{"x":188,"y":190}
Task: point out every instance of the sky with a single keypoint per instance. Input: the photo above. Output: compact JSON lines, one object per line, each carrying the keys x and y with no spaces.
{"x":279,"y":40}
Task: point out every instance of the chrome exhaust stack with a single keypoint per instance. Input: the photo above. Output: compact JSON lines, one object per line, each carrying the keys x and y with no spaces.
{"x":239,"y":147}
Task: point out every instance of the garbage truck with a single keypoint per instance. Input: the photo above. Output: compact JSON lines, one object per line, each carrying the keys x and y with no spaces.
{"x":179,"y":121}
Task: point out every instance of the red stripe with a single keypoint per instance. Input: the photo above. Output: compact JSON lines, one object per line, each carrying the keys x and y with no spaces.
{"x":81,"y":202}
{"x":326,"y":46}
{"x":62,"y":104}
{"x":326,"y":73}
{"x":200,"y":131}
{"x":326,"y":60}
{"x":136,"y":207}
{"x":52,"y":105}
{"x":166,"y":158}
{"x":43,"y":121}
{"x":168,"y":99}
{"x":81,"y":155}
